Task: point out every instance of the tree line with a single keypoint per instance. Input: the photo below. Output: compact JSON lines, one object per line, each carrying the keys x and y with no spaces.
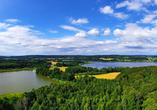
{"x":69,"y":63}
{"x":17,"y":64}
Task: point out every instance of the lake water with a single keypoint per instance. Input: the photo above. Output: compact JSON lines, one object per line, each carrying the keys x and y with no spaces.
{"x":100,"y":65}
{"x":22,"y":81}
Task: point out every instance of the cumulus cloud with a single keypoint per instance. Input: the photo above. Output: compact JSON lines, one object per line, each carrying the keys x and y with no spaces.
{"x":107,"y":32}
{"x":109,"y":10}
{"x":71,"y":28}
{"x":12,"y":20}
{"x":146,"y":1}
{"x":20,"y":40}
{"x":111,"y":41}
{"x":133,"y":4}
{"x":53,"y":31}
{"x":155,"y":2}
{"x":106,"y":10}
{"x":93,"y":32}
{"x":131,"y":39}
{"x":134,"y":33}
{"x":81,"y":34}
{"x":148,"y":18}
{"x":154,"y":22}
{"x":4,"y":25}
{"x":79,"y":21}
{"x":121,"y":15}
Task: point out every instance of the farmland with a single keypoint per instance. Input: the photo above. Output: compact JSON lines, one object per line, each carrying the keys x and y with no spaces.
{"x":111,"y":75}
{"x":61,"y":68}
{"x":53,"y":62}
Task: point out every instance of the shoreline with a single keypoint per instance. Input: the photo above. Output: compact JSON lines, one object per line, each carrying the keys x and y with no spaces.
{"x":20,"y":69}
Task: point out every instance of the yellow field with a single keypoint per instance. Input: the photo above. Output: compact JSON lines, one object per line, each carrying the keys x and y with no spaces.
{"x":103,"y":76}
{"x":61,"y":68}
{"x":53,"y":62}
{"x":127,"y":60}
{"x":106,"y":58}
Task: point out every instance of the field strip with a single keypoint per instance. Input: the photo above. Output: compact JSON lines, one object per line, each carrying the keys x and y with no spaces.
{"x":112,"y":75}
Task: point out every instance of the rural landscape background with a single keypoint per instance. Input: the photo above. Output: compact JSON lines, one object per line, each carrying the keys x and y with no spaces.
{"x":78,"y":55}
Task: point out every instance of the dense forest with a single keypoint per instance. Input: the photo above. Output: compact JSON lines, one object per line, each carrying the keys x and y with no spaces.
{"x":133,"y":89}
{"x":17,"y":64}
{"x":70,"y":63}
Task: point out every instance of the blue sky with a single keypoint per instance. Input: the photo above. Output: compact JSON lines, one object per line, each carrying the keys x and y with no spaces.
{"x":78,"y":27}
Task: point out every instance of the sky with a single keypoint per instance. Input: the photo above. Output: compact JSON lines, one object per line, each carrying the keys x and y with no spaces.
{"x":78,"y":27}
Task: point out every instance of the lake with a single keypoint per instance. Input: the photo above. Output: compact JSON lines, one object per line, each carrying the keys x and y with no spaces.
{"x":22,"y":81}
{"x":100,"y":65}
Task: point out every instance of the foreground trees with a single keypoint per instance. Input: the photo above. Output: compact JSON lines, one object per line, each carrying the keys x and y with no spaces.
{"x":133,"y":89}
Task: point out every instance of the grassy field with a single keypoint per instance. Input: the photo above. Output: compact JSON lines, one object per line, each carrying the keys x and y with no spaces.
{"x":112,"y":75}
{"x":151,"y":58}
{"x":106,"y":58}
{"x":61,"y":68}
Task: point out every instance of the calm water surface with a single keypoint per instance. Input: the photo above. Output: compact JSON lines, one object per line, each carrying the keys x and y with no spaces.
{"x":22,"y":81}
{"x":100,"y":65}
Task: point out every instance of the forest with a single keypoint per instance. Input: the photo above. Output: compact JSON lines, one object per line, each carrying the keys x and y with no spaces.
{"x":21,"y":63}
{"x":133,"y":89}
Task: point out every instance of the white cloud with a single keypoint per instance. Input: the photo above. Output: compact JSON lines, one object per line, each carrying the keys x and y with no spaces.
{"x":53,"y":31}
{"x":145,"y":1}
{"x":81,"y":34}
{"x":106,"y":10}
{"x":111,"y":41}
{"x":134,"y":33}
{"x":79,"y":21}
{"x":123,"y":4}
{"x":71,"y":28}
{"x":4,"y":25}
{"x":133,"y":5}
{"x":148,"y":18}
{"x":154,"y":22}
{"x":12,"y":20}
{"x":93,"y":32}
{"x":121,"y":15}
{"x":24,"y":40}
{"x":155,"y":2}
{"x":107,"y":32}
